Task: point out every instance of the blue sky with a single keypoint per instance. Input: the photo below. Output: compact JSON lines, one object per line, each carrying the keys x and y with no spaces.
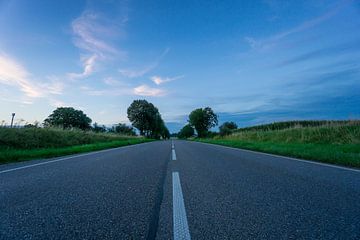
{"x":251,"y":61}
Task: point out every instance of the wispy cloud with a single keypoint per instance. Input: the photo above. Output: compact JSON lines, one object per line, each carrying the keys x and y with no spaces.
{"x":263,"y":44}
{"x":92,"y":34}
{"x":55,"y":86}
{"x":91,"y":30}
{"x":134,"y":73}
{"x":349,"y":47}
{"x":88,"y":65}
{"x":160,"y":80}
{"x":113,"y":82}
{"x":12,"y":73}
{"x":145,"y":90}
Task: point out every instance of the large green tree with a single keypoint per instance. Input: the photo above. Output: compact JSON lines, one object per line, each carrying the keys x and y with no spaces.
{"x":68,"y":117}
{"x":202,"y":119}
{"x":186,"y":132}
{"x":147,"y":119}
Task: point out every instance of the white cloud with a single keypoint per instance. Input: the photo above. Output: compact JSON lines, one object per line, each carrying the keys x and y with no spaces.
{"x":160,"y":80}
{"x":269,"y":42}
{"x":112,"y":82}
{"x":55,"y":86}
{"x":92,"y":34}
{"x":145,"y":90}
{"x":88,"y":65}
{"x":12,"y":73}
{"x":134,"y":73}
{"x":89,"y":29}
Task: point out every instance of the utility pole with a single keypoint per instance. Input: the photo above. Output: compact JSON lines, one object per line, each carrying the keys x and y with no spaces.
{"x":12,"y":119}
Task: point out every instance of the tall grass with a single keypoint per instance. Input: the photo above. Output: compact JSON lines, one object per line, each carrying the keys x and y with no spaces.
{"x":299,"y":124}
{"x":333,"y":142}
{"x":331,"y":134}
{"x":30,"y":138}
{"x":18,"y":144}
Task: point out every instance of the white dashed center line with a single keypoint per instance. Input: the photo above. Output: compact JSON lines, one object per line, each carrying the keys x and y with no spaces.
{"x":181,"y":227}
{"x":173,"y":154}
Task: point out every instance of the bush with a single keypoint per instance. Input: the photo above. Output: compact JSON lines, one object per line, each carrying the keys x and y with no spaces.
{"x":227,"y":128}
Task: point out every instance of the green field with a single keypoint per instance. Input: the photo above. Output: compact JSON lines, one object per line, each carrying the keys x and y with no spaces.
{"x":331,"y":142}
{"x":18,"y":144}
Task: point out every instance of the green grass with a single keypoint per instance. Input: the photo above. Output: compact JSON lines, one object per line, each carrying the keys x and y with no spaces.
{"x":297,"y":124}
{"x":37,"y":143}
{"x":331,"y":143}
{"x":31,"y":138}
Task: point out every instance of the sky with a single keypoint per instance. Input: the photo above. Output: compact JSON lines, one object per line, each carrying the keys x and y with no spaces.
{"x":252,"y":62}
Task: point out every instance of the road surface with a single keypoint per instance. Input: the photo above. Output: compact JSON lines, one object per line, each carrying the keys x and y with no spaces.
{"x":178,"y":190}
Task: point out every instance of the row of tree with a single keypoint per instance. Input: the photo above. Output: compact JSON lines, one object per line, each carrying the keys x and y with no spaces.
{"x":202,"y":120}
{"x":143,"y":115}
{"x":146,"y":118}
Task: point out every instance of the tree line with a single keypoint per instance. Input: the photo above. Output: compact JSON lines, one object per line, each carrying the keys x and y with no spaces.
{"x":143,"y":115}
{"x":201,"y":120}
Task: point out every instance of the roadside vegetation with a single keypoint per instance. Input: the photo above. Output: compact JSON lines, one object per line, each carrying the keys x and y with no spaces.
{"x":68,"y":131}
{"x":17,"y":144}
{"x":336,"y":142}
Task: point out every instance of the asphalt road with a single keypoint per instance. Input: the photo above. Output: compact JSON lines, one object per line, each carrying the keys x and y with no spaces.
{"x":188,"y":190}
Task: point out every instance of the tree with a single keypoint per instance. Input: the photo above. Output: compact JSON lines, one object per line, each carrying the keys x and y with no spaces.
{"x":159,"y":130}
{"x":147,"y":119}
{"x":97,"y":128}
{"x":202,"y":119}
{"x":227,"y":128}
{"x":124,"y":129}
{"x":68,"y":117}
{"x":186,"y":132}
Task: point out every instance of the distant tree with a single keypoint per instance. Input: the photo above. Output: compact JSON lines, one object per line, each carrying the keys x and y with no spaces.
{"x":97,"y":128}
{"x":159,"y":130}
{"x":147,"y":119}
{"x":165,"y":133}
{"x":29,"y":125}
{"x":227,"y":128}
{"x":68,"y":117}
{"x":202,"y":119}
{"x":124,"y":129}
{"x":186,"y":132}
{"x":174,"y":135}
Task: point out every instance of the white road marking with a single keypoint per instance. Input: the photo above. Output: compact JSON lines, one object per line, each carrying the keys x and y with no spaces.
{"x":284,"y":157}
{"x":66,"y":158}
{"x":173,"y":154}
{"x":181,"y":227}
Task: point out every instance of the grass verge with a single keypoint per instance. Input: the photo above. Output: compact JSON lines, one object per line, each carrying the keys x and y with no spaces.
{"x":16,"y":155}
{"x":345,"y":155}
{"x":335,"y":144}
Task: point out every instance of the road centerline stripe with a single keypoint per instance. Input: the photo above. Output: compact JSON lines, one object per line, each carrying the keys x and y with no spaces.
{"x":180,"y":224}
{"x":173,"y":154}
